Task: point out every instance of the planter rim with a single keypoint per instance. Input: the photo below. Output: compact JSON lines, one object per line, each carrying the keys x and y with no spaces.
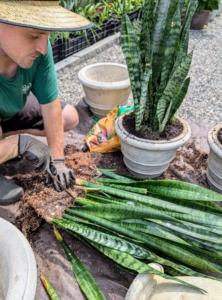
{"x":213,"y":141}
{"x":115,"y":85}
{"x":152,"y":144}
{"x":204,"y":10}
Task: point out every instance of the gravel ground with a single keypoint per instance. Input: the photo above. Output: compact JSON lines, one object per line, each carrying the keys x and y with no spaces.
{"x":203,"y":102}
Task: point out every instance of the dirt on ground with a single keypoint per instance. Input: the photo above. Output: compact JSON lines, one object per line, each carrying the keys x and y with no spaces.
{"x":42,"y":203}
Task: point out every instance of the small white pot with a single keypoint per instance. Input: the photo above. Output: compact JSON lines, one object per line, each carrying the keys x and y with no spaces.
{"x":106,"y":85}
{"x":18,"y":273}
{"x":214,"y":170}
{"x":220,"y":9}
{"x":148,"y":158}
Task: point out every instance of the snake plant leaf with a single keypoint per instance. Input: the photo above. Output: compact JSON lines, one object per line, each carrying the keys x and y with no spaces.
{"x":145,"y":41}
{"x":132,"y":263}
{"x":150,"y":228}
{"x":128,"y":42}
{"x":204,"y":206}
{"x":120,"y":212}
{"x":85,"y":202}
{"x":203,"y":244}
{"x":192,"y":5}
{"x":127,"y":188}
{"x":105,"y":239}
{"x":173,"y":88}
{"x":83,"y":276}
{"x":178,"y":101}
{"x":139,"y":113}
{"x":214,"y":221}
{"x":171,"y":47}
{"x":102,"y":199}
{"x":213,"y":207}
{"x":175,"y":251}
{"x":114,"y":176}
{"x":176,"y":189}
{"x":163,"y":19}
{"x":50,"y":290}
{"x":188,"y":231}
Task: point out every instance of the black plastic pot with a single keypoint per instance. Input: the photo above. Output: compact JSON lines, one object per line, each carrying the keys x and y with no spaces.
{"x":105,"y":30}
{"x":56,"y":50}
{"x":73,"y":45}
{"x":134,"y":14}
{"x":199,"y":19}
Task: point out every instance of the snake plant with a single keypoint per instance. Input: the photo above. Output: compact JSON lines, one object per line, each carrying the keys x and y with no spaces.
{"x":134,"y":221}
{"x":158,"y":61}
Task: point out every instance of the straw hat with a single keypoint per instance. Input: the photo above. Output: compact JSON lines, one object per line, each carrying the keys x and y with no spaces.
{"x":45,"y":15}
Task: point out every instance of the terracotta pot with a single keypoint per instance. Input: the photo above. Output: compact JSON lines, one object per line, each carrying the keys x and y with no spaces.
{"x":148,"y":158}
{"x":214,"y":170}
{"x":199,"y":19}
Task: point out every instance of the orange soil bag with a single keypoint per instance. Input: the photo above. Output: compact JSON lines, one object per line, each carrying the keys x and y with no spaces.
{"x":102,"y":137}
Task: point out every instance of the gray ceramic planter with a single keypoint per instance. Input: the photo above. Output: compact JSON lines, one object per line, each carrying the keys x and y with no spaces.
{"x":147,"y":158}
{"x":214,"y":170}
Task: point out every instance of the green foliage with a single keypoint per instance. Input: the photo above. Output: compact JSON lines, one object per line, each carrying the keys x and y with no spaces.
{"x":84,"y":278}
{"x":179,"y":227}
{"x":157,"y":60}
{"x":208,"y":5}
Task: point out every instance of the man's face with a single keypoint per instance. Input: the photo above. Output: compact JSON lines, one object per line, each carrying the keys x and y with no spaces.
{"x":22,"y":45}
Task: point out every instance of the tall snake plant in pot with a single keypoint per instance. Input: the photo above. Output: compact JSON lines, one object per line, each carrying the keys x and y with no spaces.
{"x":158,"y":62}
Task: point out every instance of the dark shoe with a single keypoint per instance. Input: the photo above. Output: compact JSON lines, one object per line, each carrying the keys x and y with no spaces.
{"x":9,"y":191}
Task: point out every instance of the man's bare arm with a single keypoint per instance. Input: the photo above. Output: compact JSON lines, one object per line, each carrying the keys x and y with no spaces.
{"x":53,"y":125}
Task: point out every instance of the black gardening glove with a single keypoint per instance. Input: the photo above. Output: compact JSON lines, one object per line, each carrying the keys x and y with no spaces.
{"x":36,"y":152}
{"x":63,"y":174}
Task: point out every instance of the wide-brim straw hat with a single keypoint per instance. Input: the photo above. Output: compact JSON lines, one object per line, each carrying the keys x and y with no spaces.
{"x":44,"y":15}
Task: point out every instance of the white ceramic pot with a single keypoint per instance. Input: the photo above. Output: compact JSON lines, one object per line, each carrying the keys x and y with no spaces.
{"x":214,"y":170}
{"x":154,"y":287}
{"x":220,"y":9}
{"x":213,"y":15}
{"x":18,"y":273}
{"x":106,"y":85}
{"x":148,"y":158}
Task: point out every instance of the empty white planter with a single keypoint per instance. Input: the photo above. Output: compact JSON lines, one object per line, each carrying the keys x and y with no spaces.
{"x":18,"y":273}
{"x":106,"y":85}
{"x":214,"y":170}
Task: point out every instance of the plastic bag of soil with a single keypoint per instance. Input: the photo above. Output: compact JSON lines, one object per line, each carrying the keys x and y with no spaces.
{"x":102,"y":137}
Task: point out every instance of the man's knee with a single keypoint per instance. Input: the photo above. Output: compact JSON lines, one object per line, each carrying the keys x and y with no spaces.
{"x":70,"y":117}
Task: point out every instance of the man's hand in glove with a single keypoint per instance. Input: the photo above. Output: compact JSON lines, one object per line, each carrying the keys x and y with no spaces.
{"x":63,"y":174}
{"x":36,"y":152}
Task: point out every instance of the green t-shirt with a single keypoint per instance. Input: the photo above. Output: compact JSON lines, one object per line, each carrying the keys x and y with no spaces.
{"x":40,"y":79}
